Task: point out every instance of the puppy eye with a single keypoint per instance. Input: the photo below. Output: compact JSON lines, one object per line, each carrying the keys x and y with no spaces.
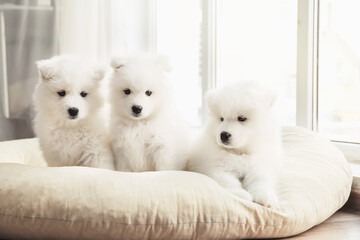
{"x":61,"y":93}
{"x":127,"y":91}
{"x":222,"y":119}
{"x":83,"y":94}
{"x":148,"y":93}
{"x":242,"y":119}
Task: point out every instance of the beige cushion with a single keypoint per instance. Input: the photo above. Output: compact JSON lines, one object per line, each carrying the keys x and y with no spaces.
{"x":88,"y":203}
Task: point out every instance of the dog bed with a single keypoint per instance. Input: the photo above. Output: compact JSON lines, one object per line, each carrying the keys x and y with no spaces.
{"x":37,"y":202}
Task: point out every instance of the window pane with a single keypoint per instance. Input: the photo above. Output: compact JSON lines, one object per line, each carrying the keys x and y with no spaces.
{"x":256,"y":40}
{"x":178,"y":36}
{"x":339,"y":69}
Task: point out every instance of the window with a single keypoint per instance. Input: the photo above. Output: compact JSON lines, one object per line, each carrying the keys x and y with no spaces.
{"x":268,"y":43}
{"x":279,"y":43}
{"x":178,"y":35}
{"x":339,"y":70}
{"x":256,"y":40}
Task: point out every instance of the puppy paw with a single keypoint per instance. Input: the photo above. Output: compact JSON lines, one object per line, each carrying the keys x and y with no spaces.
{"x":242,"y":194}
{"x":266,"y":198}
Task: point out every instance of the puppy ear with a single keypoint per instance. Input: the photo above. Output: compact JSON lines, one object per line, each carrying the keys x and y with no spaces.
{"x":267,"y":95}
{"x":99,"y":73}
{"x":211,"y":98}
{"x":47,"y":69}
{"x":271,"y":97}
{"x":163,"y":61}
{"x":117,"y":62}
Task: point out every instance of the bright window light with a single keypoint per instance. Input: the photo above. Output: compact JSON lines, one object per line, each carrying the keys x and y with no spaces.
{"x":179,"y":37}
{"x":339,"y":70}
{"x":256,"y":40}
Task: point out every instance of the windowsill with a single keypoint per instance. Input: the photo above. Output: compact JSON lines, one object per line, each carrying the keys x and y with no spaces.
{"x":355,"y":167}
{"x":353,"y":203}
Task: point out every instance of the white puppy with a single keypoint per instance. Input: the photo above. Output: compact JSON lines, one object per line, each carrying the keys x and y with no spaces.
{"x":69,"y":122}
{"x":147,"y":132}
{"x":240,"y":146}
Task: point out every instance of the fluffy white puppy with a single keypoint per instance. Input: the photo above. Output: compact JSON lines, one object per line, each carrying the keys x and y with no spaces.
{"x":240,"y":145}
{"x":69,"y":120}
{"x":147,"y":132}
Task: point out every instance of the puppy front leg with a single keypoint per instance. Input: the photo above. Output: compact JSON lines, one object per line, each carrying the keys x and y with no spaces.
{"x":120,"y":160}
{"x":235,"y":164}
{"x":232,"y":184}
{"x":105,"y":160}
{"x":260,"y":183}
{"x":164,"y":159}
{"x":164,"y":162}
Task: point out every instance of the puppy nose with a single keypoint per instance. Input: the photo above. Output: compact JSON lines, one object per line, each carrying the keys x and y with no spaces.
{"x":136,"y":109}
{"x":225,"y":137}
{"x":73,"y":112}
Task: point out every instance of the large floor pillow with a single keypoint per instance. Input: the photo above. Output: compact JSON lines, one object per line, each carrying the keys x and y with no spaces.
{"x":37,"y":202}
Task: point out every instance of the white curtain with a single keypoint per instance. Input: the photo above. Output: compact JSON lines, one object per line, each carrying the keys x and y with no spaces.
{"x":98,"y":29}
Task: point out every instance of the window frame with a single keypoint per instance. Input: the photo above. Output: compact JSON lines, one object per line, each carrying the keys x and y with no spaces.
{"x":208,"y":55}
{"x":307,"y":67}
{"x":308,"y":78}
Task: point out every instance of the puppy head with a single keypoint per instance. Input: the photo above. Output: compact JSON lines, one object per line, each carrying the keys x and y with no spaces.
{"x":68,"y":89}
{"x":238,"y":112}
{"x":138,"y":85}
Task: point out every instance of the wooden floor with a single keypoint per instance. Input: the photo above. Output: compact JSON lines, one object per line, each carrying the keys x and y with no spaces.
{"x":342,"y":225}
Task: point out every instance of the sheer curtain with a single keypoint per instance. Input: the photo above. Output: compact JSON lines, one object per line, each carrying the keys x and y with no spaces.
{"x":100,"y":29}
{"x":28,"y":34}
{"x":84,"y":28}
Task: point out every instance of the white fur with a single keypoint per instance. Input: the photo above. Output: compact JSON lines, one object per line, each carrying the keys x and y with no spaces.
{"x":156,"y":139}
{"x":82,"y":141}
{"x":247,"y":165}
